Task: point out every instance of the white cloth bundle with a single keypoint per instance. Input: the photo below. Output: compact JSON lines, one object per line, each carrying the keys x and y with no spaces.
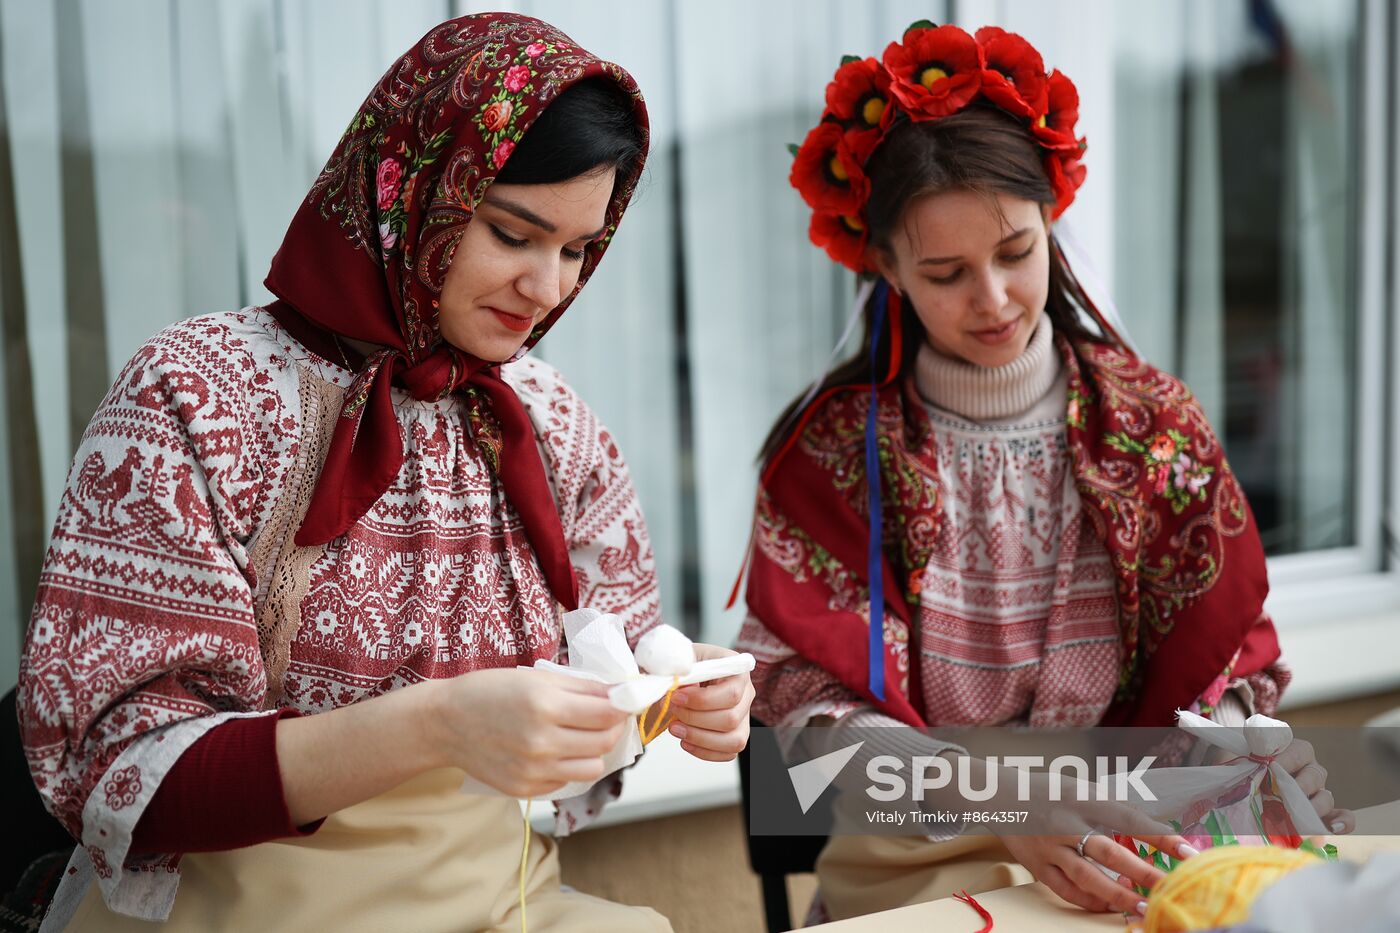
{"x":1178,"y":790}
{"x":598,"y":651}
{"x":1333,"y":896}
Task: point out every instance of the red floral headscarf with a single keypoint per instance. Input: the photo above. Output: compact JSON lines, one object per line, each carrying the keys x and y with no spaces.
{"x":367,"y":252}
{"x":1187,"y":561}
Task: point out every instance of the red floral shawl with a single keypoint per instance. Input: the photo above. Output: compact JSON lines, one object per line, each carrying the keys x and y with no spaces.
{"x":1154,"y":481}
{"x":367,"y":252}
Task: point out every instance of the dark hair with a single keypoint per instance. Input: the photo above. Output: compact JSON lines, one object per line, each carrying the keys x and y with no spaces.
{"x":590,"y":126}
{"x":980,"y":149}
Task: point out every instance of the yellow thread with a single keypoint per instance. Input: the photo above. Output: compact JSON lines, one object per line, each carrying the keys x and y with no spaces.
{"x":661,"y":721}
{"x":1217,"y":888}
{"x":524,"y":857}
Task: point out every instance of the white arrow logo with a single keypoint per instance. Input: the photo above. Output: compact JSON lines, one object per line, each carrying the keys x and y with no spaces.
{"x":811,"y":778}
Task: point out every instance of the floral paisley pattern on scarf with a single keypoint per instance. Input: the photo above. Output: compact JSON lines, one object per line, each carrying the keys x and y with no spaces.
{"x":1188,"y":564}
{"x":366,"y":254}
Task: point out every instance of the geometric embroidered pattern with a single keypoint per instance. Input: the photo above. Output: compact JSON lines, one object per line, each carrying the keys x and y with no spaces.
{"x":150,"y":592}
{"x":1018,"y":618}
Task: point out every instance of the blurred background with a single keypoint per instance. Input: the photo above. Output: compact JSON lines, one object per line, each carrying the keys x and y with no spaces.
{"x":1240,"y":211}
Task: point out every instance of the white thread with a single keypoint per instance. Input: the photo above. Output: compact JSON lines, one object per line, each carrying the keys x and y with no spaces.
{"x":1083,"y":269}
{"x":862,"y":298}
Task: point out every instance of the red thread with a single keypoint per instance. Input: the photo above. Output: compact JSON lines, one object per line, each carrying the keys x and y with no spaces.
{"x":971,"y":901}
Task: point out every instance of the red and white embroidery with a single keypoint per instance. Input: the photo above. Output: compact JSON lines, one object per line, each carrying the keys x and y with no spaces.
{"x":1019,"y":619}
{"x":122,"y":786}
{"x":1017,"y":612}
{"x":148,"y":600}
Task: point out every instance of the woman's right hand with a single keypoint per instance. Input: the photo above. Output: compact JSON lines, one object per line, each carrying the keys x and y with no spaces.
{"x":1055,"y":861}
{"x":523,"y":732}
{"x":1050,"y":848}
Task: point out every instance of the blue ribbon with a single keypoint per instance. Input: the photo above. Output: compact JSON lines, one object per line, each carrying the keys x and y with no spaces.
{"x":875,"y":553}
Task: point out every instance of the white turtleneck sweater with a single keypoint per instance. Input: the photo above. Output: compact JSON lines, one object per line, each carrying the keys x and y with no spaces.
{"x":1028,"y":390}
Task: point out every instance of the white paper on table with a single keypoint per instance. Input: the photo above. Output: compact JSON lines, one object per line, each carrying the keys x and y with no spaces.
{"x":1177,"y":789}
{"x":598,"y":651}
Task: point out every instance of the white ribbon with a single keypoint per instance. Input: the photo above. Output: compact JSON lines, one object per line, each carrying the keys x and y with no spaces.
{"x":1255,"y":746}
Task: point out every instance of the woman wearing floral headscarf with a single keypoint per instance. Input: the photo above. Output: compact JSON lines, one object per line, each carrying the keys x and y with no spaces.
{"x":1058,"y":539}
{"x":305,"y":548}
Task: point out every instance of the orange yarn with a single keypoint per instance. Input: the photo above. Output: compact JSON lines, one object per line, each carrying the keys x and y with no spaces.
{"x":661,"y":722}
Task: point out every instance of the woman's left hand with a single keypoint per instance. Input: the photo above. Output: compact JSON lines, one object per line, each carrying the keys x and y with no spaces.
{"x":1301,"y":761}
{"x":712,"y":718}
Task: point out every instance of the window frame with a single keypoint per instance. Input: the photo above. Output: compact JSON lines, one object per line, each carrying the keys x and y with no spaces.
{"x":1328,"y":604}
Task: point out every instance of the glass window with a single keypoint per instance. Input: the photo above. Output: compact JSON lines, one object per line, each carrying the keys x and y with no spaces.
{"x":1238,"y":155}
{"x":154,"y":153}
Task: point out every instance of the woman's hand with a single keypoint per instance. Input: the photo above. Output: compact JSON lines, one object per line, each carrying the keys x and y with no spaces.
{"x":712,"y":718}
{"x":1052,"y":855}
{"x":1056,"y":862}
{"x":1300,"y":760}
{"x":524,"y":732}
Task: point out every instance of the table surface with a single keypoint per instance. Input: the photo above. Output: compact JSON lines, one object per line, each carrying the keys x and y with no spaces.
{"x":1032,"y":908}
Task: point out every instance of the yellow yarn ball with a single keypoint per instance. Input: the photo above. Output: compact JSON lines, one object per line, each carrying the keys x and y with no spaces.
{"x":1217,"y":888}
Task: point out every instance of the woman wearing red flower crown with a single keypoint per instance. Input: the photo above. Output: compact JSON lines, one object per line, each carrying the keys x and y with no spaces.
{"x":1062,"y":542}
{"x":309,"y":553}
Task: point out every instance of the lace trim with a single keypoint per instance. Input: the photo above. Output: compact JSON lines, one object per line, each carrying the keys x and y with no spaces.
{"x":289,"y":576}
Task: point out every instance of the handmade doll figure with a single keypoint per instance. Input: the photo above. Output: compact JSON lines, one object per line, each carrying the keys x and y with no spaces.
{"x":1062,"y":540}
{"x":306,"y":549}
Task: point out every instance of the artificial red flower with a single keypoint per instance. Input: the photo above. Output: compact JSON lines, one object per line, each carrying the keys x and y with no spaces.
{"x":842,"y":236}
{"x":1055,"y":129}
{"x":828,"y":173}
{"x":1014,"y":75}
{"x":935,"y":71}
{"x":1066,"y":174}
{"x":859,"y":95}
{"x":862,"y":142}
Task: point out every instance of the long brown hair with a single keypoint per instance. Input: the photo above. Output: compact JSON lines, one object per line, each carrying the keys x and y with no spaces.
{"x":979,"y":149}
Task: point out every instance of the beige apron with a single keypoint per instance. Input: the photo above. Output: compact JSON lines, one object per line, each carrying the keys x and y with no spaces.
{"x":422,"y":857}
{"x":860,"y":874}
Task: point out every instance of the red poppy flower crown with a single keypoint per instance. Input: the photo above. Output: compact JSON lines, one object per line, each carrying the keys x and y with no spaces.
{"x":933,"y":72}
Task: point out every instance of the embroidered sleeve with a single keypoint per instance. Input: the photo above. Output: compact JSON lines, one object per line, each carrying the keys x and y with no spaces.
{"x":789,"y":689}
{"x":612,"y":558}
{"x":610,"y":546}
{"x":1261,"y":691}
{"x":602,"y":520}
{"x":598,"y":505}
{"x":143,"y":636}
{"x":1233,"y":695}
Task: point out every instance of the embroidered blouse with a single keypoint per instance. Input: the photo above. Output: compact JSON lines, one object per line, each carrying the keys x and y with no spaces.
{"x":173,"y":598}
